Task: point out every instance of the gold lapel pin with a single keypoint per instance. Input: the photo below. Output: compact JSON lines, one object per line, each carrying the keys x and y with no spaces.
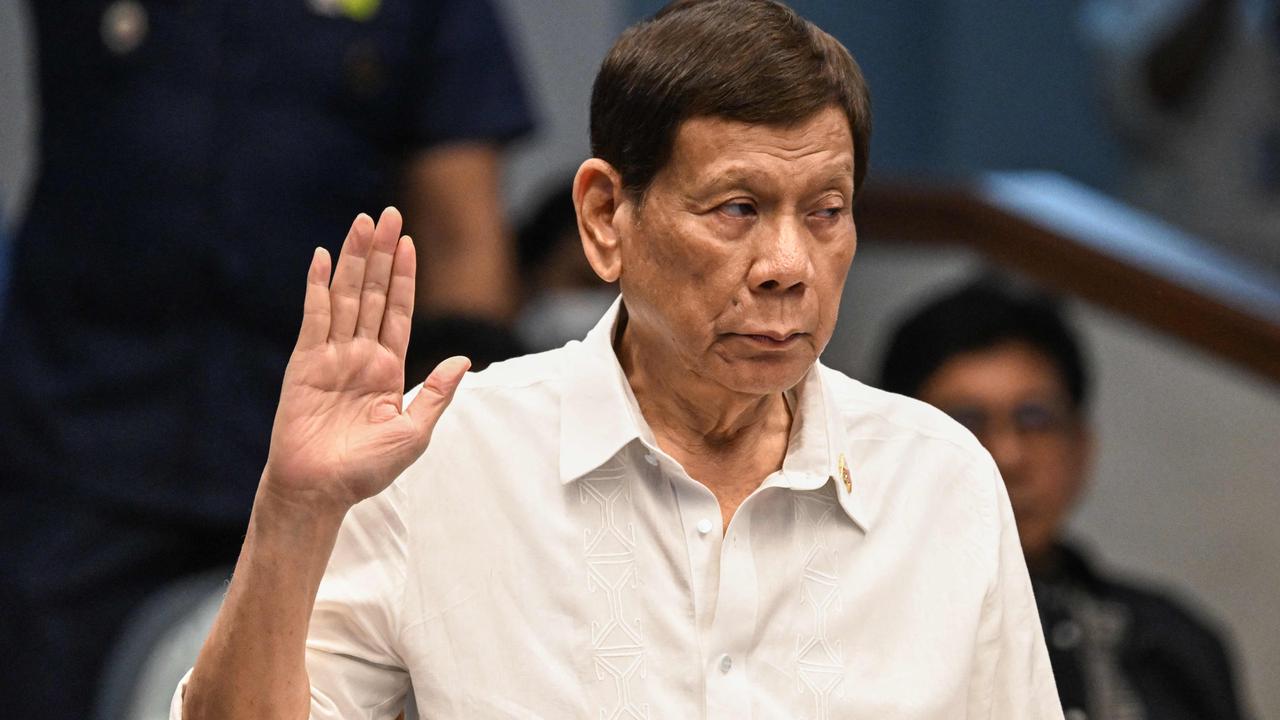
{"x":844,"y":474}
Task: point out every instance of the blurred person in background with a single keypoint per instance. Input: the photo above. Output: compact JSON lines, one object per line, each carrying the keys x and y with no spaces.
{"x":559,"y":296}
{"x":562,"y":297}
{"x":1193,"y":89}
{"x":1005,"y":364}
{"x":189,"y":151}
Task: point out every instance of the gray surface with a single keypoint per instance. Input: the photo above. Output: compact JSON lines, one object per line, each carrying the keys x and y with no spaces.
{"x":561,"y":59}
{"x":17,"y":110}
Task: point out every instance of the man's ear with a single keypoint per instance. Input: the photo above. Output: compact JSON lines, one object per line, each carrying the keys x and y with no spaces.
{"x":598,"y":195}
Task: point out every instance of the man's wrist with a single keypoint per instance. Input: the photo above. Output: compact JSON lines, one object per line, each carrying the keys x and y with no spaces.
{"x":298,"y":514}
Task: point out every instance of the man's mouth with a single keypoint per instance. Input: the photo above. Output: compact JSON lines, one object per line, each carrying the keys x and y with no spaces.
{"x":771,"y":339}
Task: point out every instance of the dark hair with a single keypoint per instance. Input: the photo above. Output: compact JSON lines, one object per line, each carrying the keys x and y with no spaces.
{"x":977,"y":317}
{"x":552,"y":218}
{"x":751,"y":61}
{"x":434,"y":339}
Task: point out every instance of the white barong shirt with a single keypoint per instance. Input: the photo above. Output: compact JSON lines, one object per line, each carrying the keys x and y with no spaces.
{"x":546,"y":559}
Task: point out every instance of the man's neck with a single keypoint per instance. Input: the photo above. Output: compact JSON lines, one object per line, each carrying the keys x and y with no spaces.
{"x":728,"y":441}
{"x":718,"y":426}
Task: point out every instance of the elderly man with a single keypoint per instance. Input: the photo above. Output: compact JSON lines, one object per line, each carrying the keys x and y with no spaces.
{"x":1007,"y":366}
{"x":685,"y":515}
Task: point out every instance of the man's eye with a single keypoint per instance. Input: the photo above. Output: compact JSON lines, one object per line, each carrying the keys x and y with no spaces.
{"x":830,"y":213}
{"x":738,"y":209}
{"x":973,"y":419}
{"x":1033,"y":417}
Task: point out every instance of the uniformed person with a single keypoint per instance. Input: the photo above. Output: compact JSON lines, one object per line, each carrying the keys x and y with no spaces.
{"x":190,"y":150}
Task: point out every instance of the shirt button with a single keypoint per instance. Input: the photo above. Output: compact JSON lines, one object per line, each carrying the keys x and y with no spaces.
{"x":726,"y":664}
{"x":650,"y":458}
{"x":1076,"y":714}
{"x":704,"y":527}
{"x":124,"y":26}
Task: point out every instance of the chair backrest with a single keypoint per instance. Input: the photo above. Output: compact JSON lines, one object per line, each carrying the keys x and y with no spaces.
{"x":157,"y":646}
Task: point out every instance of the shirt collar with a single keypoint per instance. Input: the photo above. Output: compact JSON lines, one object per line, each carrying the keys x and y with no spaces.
{"x":816,"y":452}
{"x":600,"y":416}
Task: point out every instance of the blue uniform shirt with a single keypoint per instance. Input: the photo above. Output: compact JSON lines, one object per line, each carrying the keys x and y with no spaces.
{"x":192,"y":154}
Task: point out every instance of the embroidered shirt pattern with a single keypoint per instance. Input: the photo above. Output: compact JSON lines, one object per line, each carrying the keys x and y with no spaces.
{"x":819,"y":659}
{"x":609,"y":547}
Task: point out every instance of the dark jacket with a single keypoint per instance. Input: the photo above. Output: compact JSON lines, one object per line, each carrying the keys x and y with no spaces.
{"x":1174,"y":663}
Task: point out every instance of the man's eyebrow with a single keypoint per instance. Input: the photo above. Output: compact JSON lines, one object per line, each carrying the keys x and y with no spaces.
{"x":838,"y":175}
{"x":733,"y":175}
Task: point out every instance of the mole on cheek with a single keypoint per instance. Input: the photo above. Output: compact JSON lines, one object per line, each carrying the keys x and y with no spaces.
{"x":695,"y":267}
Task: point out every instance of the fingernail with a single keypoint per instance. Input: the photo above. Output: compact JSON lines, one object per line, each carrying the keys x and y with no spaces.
{"x":454,"y":368}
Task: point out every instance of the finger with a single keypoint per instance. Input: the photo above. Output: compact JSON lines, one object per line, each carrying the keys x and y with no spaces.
{"x":348,"y":279}
{"x":377,"y":273}
{"x":437,"y":392}
{"x":315,"y":308}
{"x":398,"y":318}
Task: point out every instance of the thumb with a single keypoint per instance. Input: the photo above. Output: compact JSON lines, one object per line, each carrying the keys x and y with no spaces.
{"x":437,"y":392}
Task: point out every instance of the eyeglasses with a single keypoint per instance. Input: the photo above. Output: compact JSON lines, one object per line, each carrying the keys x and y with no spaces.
{"x":1029,"y":419}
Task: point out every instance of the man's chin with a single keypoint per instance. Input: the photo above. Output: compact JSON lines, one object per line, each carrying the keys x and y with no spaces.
{"x":766,"y":376}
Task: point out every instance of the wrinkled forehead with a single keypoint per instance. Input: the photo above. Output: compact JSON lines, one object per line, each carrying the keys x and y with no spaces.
{"x":710,"y":148}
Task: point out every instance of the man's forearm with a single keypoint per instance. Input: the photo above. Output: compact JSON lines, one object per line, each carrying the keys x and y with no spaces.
{"x":341,"y":436}
{"x":253,"y":663}
{"x":470,"y":275}
{"x":455,"y":210}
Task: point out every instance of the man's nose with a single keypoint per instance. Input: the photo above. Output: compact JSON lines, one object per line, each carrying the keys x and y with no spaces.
{"x":783,"y":262}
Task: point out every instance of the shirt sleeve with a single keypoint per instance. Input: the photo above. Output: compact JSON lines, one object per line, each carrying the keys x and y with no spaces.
{"x":352,"y":658}
{"x":1012,"y":677}
{"x":471,"y":88}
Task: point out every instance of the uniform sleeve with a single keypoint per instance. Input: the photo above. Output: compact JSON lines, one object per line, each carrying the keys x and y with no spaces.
{"x":353,"y":662}
{"x":1012,"y":678}
{"x":470,"y":86}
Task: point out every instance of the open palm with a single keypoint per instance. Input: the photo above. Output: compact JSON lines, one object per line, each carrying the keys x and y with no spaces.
{"x":341,"y":433}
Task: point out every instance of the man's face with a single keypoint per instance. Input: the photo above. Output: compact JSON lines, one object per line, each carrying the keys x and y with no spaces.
{"x":1012,"y":397}
{"x":733,"y":265}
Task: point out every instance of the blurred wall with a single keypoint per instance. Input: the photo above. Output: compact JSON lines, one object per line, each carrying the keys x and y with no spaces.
{"x":960,"y":86}
{"x":17,"y":121}
{"x":17,"y":128}
{"x":561,"y":58}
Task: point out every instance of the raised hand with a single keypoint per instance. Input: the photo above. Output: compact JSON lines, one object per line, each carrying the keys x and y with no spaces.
{"x":340,"y":433}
